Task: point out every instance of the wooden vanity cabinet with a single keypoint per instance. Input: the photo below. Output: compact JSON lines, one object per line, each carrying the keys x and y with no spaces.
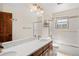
{"x":44,"y":51}
{"x":5,"y":26}
{"x":48,"y":49}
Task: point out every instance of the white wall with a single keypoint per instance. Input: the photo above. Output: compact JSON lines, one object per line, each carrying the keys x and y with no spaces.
{"x":69,"y":36}
{"x":1,"y":7}
{"x":23,"y":19}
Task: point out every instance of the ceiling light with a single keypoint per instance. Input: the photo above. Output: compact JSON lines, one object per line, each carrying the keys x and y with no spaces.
{"x":36,"y":8}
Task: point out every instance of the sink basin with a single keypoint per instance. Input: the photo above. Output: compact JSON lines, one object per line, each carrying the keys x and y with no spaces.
{"x":10,"y":53}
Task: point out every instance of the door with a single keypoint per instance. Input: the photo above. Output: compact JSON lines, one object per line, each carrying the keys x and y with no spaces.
{"x":5,"y":26}
{"x":8,"y":26}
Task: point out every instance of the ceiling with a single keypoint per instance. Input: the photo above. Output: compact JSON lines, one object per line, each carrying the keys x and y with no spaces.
{"x":50,"y":8}
{"x":54,"y":7}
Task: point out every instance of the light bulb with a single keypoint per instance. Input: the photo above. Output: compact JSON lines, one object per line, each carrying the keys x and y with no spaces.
{"x":41,"y":11}
{"x":33,"y":7}
{"x":38,"y":13}
{"x":37,"y":9}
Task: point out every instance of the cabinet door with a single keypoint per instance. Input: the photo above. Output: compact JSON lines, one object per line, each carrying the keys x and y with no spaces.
{"x":45,"y":53}
{"x":50,"y":51}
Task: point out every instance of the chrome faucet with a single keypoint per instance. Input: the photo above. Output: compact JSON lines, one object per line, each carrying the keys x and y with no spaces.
{"x":37,"y":36}
{"x":1,"y":47}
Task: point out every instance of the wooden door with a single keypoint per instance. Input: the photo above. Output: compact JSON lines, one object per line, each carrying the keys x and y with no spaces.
{"x":8,"y":27}
{"x":1,"y":27}
{"x":6,"y":34}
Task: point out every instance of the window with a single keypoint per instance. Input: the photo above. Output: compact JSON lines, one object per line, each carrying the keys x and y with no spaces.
{"x":61,"y":24}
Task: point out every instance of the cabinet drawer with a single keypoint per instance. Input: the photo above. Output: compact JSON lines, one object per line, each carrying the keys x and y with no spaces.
{"x":45,"y":53}
{"x":38,"y":52}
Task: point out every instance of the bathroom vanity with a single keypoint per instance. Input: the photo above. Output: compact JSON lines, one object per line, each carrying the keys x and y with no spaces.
{"x":44,"y":51}
{"x":32,"y":48}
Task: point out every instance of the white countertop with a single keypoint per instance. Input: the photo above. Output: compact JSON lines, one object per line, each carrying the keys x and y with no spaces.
{"x":27,"y":48}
